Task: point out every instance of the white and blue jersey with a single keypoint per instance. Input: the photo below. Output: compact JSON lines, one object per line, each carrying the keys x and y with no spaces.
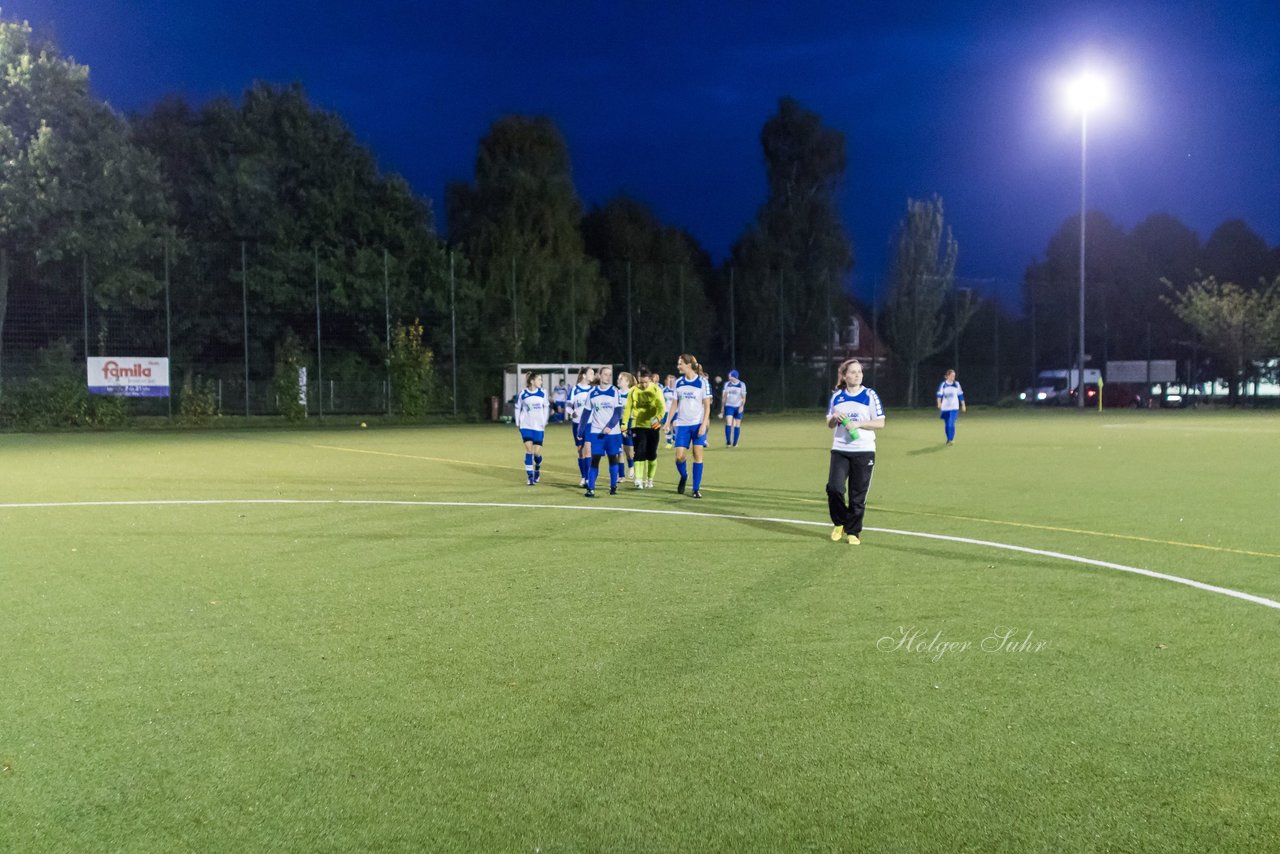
{"x":863,"y":406}
{"x":603,"y":412}
{"x":560,"y":395}
{"x":577,"y":405}
{"x":689,"y":406}
{"x":691,"y":398}
{"x":532,"y":412}
{"x":734,"y":396}
{"x":627,"y":439}
{"x":951,"y":396}
{"x":669,"y":399}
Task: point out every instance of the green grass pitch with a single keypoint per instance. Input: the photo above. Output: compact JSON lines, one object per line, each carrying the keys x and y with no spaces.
{"x":333,"y":676}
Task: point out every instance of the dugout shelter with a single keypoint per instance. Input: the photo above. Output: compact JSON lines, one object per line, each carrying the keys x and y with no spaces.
{"x":552,"y":374}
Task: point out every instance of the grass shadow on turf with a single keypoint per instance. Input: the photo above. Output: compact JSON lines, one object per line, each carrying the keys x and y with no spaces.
{"x":779,"y":527}
{"x":932,"y":449}
{"x":990,"y":559}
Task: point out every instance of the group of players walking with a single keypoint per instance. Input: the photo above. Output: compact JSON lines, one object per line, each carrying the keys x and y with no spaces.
{"x":621,"y":423}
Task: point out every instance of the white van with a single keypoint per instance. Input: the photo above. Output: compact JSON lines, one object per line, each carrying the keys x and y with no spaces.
{"x":1053,"y":387}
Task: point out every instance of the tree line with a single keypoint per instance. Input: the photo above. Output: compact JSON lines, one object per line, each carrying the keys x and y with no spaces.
{"x":251,"y":212}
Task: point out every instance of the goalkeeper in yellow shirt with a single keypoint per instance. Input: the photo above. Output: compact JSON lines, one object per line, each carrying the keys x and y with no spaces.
{"x":644,"y":412}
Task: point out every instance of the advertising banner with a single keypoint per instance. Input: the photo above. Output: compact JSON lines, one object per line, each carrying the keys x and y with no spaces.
{"x":128,"y":376}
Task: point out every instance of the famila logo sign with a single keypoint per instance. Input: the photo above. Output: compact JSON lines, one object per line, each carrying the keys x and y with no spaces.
{"x":113,"y":370}
{"x":128,"y":376}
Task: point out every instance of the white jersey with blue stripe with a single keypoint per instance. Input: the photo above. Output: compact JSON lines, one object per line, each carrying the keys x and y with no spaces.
{"x":734,"y":394}
{"x":532,"y":410}
{"x":578,"y":401}
{"x":622,"y":397}
{"x":604,"y":409}
{"x":668,"y":397}
{"x":951,"y":396}
{"x":560,"y":394}
{"x":690,"y":395}
{"x":863,"y":406}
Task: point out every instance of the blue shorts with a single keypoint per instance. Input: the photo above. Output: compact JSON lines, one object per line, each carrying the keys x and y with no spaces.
{"x":578,"y":435}
{"x":733,"y":412}
{"x":534,"y":436}
{"x":628,"y":439}
{"x":608,"y":445}
{"x":686,"y":435}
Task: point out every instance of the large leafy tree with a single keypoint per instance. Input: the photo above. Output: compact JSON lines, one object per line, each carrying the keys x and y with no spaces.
{"x":1052,"y":286}
{"x":519,"y":225}
{"x":292,"y":185}
{"x":1162,"y":249}
{"x":922,"y":313}
{"x":789,"y":263}
{"x":1236,"y":253}
{"x":1238,"y":326}
{"x":658,"y":273}
{"x":74,"y":190}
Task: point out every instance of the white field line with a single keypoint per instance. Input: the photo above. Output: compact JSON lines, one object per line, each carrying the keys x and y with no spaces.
{"x":1118,"y":567}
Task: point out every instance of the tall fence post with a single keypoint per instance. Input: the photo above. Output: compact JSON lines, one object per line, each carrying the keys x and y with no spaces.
{"x":386,"y":316}
{"x":680,"y":271}
{"x":168,"y":324}
{"x":782,"y":339}
{"x":733,"y":329}
{"x":875,"y":333}
{"x":315,"y":261}
{"x":244,"y":307}
{"x":630,"y":360}
{"x":84,"y":290}
{"x":453,"y":334}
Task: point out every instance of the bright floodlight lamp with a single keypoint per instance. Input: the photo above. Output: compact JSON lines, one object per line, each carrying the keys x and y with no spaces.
{"x":1087,"y":92}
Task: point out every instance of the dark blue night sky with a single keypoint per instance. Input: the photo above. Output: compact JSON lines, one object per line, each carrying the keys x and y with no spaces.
{"x":665,"y":100}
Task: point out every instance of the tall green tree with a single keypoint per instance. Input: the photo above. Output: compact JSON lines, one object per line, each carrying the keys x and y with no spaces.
{"x":1163,"y":249}
{"x":292,"y":182}
{"x":922,"y":312}
{"x":790,"y":264}
{"x":1238,"y":326}
{"x":1052,"y":284}
{"x":656,"y":272}
{"x":74,"y":190}
{"x":1236,"y":253}
{"x":519,"y":225}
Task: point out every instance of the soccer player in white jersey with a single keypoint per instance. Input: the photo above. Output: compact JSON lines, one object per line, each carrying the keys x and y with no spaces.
{"x":532,"y":412}
{"x":855,"y":414}
{"x":602,"y":425}
{"x":690,"y":419}
{"x":733,"y":402}
{"x":625,"y":381}
{"x":950,"y":403}
{"x":577,"y":404}
{"x":559,"y":400}
{"x":669,"y":399}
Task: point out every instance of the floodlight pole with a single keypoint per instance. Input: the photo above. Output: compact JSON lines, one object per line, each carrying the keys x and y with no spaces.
{"x":1084,"y":124}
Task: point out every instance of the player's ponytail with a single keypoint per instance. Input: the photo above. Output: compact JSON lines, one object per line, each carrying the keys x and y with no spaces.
{"x":689,"y":360}
{"x":529,"y":377}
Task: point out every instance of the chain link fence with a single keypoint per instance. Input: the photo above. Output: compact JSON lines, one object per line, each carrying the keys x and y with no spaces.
{"x":226,"y":324}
